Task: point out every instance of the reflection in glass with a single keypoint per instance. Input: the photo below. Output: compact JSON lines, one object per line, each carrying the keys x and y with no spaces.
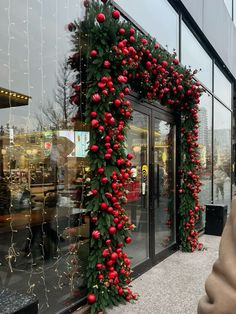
{"x":44,"y":230}
{"x":138,"y":197}
{"x":205,"y":150}
{"x":152,"y":17}
{"x":222,"y":87}
{"x":222,"y":154}
{"x":234,"y":13}
{"x":229,"y":6}
{"x":164,"y":185}
{"x":195,"y":56}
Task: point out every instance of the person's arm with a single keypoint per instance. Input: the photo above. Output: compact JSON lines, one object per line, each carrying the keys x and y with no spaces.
{"x":220,"y":286}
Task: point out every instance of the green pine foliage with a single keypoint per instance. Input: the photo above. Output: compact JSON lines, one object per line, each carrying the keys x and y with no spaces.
{"x":110,"y":59}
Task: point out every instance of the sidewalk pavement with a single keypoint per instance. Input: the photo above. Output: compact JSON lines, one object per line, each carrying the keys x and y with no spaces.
{"x":175,"y":285}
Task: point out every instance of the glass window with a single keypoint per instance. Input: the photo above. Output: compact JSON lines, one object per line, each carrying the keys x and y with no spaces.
{"x":222,"y":154}
{"x":229,"y":5}
{"x":205,"y":150}
{"x":163,"y":185}
{"x":138,"y":196}
{"x":152,"y":16}
{"x":44,"y":236}
{"x":205,"y":146}
{"x":222,"y":87}
{"x":234,"y":11}
{"x":194,"y":55}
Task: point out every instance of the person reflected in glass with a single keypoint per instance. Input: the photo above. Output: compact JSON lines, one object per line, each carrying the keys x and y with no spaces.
{"x":219,"y":180}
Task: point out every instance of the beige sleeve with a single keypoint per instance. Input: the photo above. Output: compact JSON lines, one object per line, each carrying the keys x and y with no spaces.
{"x":221,"y":284}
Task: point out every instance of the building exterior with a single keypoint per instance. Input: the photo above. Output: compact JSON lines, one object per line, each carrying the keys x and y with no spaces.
{"x":44,"y":233}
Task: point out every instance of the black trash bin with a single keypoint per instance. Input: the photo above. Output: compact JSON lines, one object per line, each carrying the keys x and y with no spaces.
{"x":216,"y":216}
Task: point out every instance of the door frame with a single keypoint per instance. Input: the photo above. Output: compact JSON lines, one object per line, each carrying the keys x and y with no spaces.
{"x":154,"y":111}
{"x":159,"y":114}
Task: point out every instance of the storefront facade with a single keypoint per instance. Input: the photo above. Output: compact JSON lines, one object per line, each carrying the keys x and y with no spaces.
{"x":44,"y":233}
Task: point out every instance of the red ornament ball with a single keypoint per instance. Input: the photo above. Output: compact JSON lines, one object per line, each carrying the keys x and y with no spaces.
{"x":71,"y":27}
{"x":130,"y":156}
{"x":96,"y":234}
{"x":94,"y":192}
{"x":114,"y":256}
{"x":94,"y":219}
{"x":91,"y":298}
{"x":94,"y":123}
{"x":77,"y":87}
{"x":119,"y":244}
{"x":176,"y":61}
{"x":128,"y":240}
{"x":101,"y":128}
{"x":112,"y":230}
{"x":93,"y":114}
{"x":122,"y":31}
{"x":99,"y":266}
{"x":107,"y":64}
{"x":108,"y":242}
{"x":96,"y":98}
{"x":105,"y":252}
{"x":132,"y":31}
{"x":94,"y":148}
{"x":117,"y":102}
{"x":103,"y":206}
{"x":93,"y":53}
{"x":104,"y":180}
{"x":100,"y":170}
{"x":116,"y":14}
{"x":107,"y":156}
{"x":100,"y":17}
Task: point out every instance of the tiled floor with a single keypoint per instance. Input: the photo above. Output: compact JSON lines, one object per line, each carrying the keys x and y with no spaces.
{"x":175,"y":285}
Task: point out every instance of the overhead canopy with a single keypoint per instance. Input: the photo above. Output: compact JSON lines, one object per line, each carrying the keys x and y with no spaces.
{"x":12,"y":99}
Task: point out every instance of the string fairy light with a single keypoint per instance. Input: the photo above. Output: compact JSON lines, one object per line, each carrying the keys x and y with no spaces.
{"x":46,"y":291}
{"x":12,"y":251}
{"x":58,"y":250}
{"x":31,"y":285}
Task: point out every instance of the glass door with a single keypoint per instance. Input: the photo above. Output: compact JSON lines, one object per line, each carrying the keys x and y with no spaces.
{"x":164,"y":184}
{"x":151,"y":193}
{"x":138,"y":196}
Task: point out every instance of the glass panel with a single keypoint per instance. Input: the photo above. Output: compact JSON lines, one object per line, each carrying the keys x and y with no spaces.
{"x":222,"y":87}
{"x":229,"y":5}
{"x":222,"y":154}
{"x":194,"y":55}
{"x":138,"y":197}
{"x":164,"y":185}
{"x":234,"y":12}
{"x":44,"y":231}
{"x":152,"y":17}
{"x":205,"y":149}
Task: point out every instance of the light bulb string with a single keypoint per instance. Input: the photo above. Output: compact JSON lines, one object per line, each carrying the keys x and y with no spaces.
{"x":43,"y":277}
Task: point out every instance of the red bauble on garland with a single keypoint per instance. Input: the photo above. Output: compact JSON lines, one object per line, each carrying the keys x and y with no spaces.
{"x":96,"y":98}
{"x":96,"y":234}
{"x":93,"y":53}
{"x":91,"y":298}
{"x":112,"y":230}
{"x":94,"y":148}
{"x":116,"y":14}
{"x":100,"y":17}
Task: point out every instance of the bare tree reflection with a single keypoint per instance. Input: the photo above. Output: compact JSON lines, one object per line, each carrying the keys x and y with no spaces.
{"x":56,"y":114}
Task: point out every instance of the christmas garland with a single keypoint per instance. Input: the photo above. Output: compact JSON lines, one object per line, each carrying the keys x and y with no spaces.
{"x":111,"y":58}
